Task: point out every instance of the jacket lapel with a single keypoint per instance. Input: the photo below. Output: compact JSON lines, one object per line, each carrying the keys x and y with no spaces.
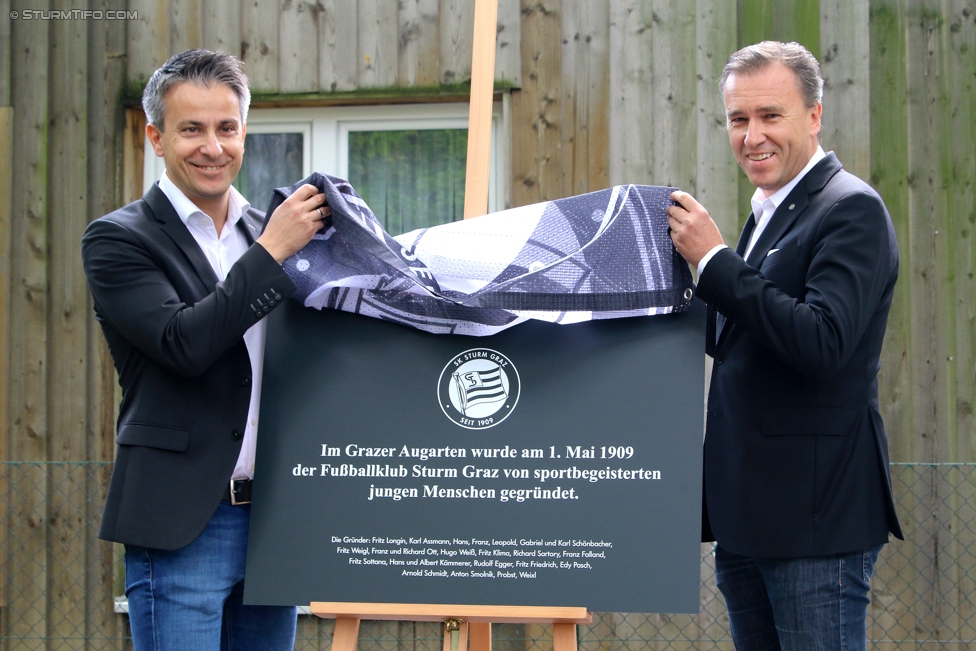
{"x":173,"y":226}
{"x":750,"y":226}
{"x":251,"y":224}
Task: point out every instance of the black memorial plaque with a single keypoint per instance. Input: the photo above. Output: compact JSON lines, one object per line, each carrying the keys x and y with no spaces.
{"x":547,"y":465}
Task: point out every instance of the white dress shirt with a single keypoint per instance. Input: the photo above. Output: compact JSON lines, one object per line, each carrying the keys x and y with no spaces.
{"x":222,"y":251}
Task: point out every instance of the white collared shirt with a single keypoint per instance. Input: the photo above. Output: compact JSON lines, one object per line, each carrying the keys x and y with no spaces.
{"x":222,"y":252}
{"x":763,"y":208}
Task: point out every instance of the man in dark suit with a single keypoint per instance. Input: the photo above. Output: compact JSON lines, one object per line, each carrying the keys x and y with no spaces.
{"x":181,"y":280}
{"x":796,"y":485}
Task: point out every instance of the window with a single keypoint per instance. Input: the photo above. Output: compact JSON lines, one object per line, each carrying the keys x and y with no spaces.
{"x":407,"y":161}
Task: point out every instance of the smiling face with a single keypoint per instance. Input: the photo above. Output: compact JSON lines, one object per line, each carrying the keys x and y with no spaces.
{"x":773,"y":135}
{"x":202,"y":143}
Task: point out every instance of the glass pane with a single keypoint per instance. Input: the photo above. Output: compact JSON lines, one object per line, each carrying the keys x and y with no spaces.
{"x":410,"y":179}
{"x":271,"y":160}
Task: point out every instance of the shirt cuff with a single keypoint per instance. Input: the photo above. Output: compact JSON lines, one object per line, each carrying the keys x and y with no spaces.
{"x":708,"y":256}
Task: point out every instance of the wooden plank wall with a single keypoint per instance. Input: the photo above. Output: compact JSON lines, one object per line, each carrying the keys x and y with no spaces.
{"x":302,"y":47}
{"x":609,"y":91}
{"x":62,"y":95}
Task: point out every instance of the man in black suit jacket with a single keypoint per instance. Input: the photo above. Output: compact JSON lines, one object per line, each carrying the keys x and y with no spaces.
{"x":796,"y":485}
{"x":181,"y":280}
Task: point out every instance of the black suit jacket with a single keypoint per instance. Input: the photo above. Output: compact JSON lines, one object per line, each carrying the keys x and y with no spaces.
{"x":176,"y":336}
{"x":796,"y":456}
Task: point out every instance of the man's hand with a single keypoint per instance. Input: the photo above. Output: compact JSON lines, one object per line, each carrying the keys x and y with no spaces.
{"x":693,"y":232}
{"x":294,"y":222}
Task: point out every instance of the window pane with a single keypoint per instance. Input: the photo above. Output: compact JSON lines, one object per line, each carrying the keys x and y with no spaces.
{"x":410,"y":179}
{"x":271,"y":160}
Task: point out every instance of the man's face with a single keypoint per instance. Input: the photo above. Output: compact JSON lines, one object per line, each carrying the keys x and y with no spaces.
{"x":773,"y":135}
{"x":202,"y":141}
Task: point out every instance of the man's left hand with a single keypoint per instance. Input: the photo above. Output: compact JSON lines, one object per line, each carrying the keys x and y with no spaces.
{"x":693,"y":232}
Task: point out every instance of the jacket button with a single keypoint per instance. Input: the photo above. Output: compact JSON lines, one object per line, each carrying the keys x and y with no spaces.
{"x":719,"y":358}
{"x":236,"y":435}
{"x":246,"y":381}
{"x":277,"y":297}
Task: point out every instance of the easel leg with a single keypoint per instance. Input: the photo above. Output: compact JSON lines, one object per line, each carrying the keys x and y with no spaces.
{"x":346,"y":634}
{"x":480,"y":633}
{"x":564,"y":637}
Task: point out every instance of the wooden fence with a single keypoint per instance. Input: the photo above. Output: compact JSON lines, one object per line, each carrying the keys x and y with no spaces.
{"x":603,"y":92}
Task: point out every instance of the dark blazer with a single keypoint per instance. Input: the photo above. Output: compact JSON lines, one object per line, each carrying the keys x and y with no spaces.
{"x":176,"y":336}
{"x":796,"y":456}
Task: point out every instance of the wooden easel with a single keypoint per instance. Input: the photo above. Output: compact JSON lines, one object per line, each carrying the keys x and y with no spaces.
{"x":468,"y":622}
{"x":464,"y":623}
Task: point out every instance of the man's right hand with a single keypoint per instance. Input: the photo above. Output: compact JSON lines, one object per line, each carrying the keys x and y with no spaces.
{"x":294,"y":222}
{"x":693,"y":232}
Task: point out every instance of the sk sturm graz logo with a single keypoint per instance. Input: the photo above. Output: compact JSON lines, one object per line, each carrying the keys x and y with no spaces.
{"x":478,"y":388}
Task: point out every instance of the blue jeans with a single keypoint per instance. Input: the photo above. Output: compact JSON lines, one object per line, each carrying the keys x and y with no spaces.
{"x":192,"y":597}
{"x":797,"y":604}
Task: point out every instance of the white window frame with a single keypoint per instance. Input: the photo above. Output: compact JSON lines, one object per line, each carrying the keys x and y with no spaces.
{"x":326,"y":136}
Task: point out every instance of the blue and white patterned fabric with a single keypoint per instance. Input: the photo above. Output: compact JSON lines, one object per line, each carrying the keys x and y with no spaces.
{"x":600,"y":255}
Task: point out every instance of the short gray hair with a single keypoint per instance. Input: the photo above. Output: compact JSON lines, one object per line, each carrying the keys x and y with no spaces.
{"x":203,"y":67}
{"x":758,"y":57}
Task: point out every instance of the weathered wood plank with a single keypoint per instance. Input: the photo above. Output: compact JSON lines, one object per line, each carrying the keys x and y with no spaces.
{"x":221,"y":28}
{"x":27,"y":406}
{"x":418,"y":59}
{"x":5,"y":24}
{"x":508,"y":46}
{"x":6,"y":171}
{"x":845,"y":65}
{"x":930,"y":151}
{"x":929,"y":148}
{"x":535,"y":109}
{"x":259,"y":44}
{"x":798,"y":20}
{"x":755,"y":21}
{"x":299,"y":47}
{"x":572,"y":131}
{"x":377,"y":43}
{"x":106,"y":126}
{"x":456,"y":32}
{"x":715,"y":187}
{"x":338,"y":46}
{"x":148,"y":40}
{"x":185,"y":18}
{"x":889,"y":175}
{"x":29,"y":256}
{"x":632,"y":100}
{"x":67,"y":327}
{"x":962,"y":87}
{"x":584,"y":104}
{"x":962,"y":40}
{"x":673,"y":119}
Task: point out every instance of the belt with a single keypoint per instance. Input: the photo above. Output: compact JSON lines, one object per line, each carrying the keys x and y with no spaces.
{"x":238,"y":492}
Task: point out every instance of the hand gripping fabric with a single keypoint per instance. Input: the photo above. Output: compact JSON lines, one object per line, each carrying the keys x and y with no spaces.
{"x":600,"y":255}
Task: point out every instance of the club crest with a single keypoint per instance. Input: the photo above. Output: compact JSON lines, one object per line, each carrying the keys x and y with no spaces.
{"x":479,"y":388}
